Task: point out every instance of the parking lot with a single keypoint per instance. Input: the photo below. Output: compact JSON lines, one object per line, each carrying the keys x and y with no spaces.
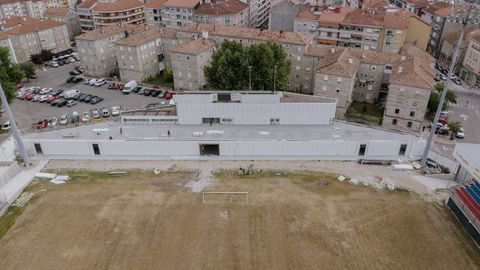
{"x":28,"y":113}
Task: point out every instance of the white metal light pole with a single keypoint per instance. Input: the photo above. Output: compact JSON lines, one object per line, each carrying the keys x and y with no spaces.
{"x":16,"y":132}
{"x":274,"y":79}
{"x":471,"y":15}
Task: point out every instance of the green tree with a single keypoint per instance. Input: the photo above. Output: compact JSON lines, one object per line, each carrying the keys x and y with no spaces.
{"x":454,"y":128}
{"x":10,"y":74}
{"x":28,"y":68}
{"x":434,"y":100}
{"x":230,"y":67}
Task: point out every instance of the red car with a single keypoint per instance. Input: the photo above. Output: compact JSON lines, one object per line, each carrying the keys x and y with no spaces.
{"x":118,"y":86}
{"x":169,"y":95}
{"x":52,"y":99}
{"x":42,"y":124}
{"x":29,"y":96}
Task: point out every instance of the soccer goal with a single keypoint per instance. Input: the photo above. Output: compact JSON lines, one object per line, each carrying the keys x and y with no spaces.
{"x":226,"y":195}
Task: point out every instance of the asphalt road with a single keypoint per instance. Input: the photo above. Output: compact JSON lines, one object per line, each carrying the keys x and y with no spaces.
{"x":27,"y":112}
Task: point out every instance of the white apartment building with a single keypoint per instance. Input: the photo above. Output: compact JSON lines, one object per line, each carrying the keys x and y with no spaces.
{"x":32,"y":8}
{"x":66,"y":15}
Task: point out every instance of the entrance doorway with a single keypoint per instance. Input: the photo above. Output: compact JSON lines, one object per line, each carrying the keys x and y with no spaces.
{"x":96,"y":149}
{"x":38,"y":149}
{"x":209,"y":150}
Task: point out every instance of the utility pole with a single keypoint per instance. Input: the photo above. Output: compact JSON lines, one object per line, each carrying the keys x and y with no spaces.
{"x":16,"y":132}
{"x":250,"y":78}
{"x":471,"y":17}
{"x":274,"y":79}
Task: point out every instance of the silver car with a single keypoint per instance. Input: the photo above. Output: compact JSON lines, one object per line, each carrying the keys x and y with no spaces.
{"x":64,"y":119}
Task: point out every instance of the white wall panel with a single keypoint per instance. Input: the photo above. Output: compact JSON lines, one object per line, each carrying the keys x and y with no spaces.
{"x":149,"y":148}
{"x":382,"y":148}
{"x":66,"y":147}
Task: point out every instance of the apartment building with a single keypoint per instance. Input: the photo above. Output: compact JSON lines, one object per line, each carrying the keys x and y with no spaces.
{"x":95,"y":14}
{"x":449,"y":43}
{"x":33,"y":35}
{"x":7,"y":43}
{"x":178,"y":13}
{"x":410,"y":87}
{"x":32,"y":8}
{"x":97,"y":48}
{"x":144,"y":55}
{"x":188,"y":61}
{"x":154,"y":12}
{"x":329,"y":25}
{"x":307,"y":22}
{"x":283,"y":13}
{"x":222,"y":12}
{"x":294,"y":45}
{"x":471,"y":64}
{"x":67,"y":16}
{"x":259,"y":13}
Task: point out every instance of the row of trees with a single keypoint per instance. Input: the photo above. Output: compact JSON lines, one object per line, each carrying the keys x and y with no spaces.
{"x":10,"y":74}
{"x":233,"y":63}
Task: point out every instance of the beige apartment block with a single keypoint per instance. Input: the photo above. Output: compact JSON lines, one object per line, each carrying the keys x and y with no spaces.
{"x":178,"y":13}
{"x":307,"y":22}
{"x":67,"y":16}
{"x":154,"y":14}
{"x":294,"y":45}
{"x":97,"y":48}
{"x":222,"y":12}
{"x":471,"y":63}
{"x":31,"y":8}
{"x":335,"y":78}
{"x":143,"y":55}
{"x":34,"y":35}
{"x":188,"y":61}
{"x":410,"y":87}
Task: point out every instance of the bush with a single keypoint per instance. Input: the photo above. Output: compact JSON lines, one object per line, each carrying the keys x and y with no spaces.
{"x":168,"y":75}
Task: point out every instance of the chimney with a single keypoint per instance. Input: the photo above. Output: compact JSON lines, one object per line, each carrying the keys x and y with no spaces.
{"x":400,"y":69}
{"x":350,"y":60}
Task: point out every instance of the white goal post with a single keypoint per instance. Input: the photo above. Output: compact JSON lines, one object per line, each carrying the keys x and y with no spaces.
{"x":223,"y":192}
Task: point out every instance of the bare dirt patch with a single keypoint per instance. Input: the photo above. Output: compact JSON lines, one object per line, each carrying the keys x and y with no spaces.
{"x":295,"y":221}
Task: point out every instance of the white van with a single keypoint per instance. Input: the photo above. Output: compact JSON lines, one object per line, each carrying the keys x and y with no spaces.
{"x":70,"y":93}
{"x":128,"y":88}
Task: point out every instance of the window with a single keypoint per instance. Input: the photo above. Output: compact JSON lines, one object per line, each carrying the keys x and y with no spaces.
{"x":274,"y":121}
{"x":338,"y":90}
{"x":38,"y":149}
{"x":362,"y":149}
{"x":403,"y":149}
{"x":397,"y":111}
{"x":412,"y":114}
{"x":325,"y":78}
{"x":409,"y":124}
{"x":96,"y":149}
{"x":394,"y":122}
{"x":339,"y":79}
{"x":324,"y":88}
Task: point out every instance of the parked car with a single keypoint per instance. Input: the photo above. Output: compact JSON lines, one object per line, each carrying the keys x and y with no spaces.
{"x":457,"y":81}
{"x":75,"y":117}
{"x":111,"y":86}
{"x":105,"y":112}
{"x":74,"y":72}
{"x":444,"y":77}
{"x":42,"y":124}
{"x":64,"y":119}
{"x":77,"y":79}
{"x":45,"y":91}
{"x":116,"y":110}
{"x":87,"y":99}
{"x":71,"y":103}
{"x":136,"y":89}
{"x":35,"y":98}
{"x":76,"y":96}
{"x":162,"y":94}
{"x":92,"y":82}
{"x":96,"y":100}
{"x":29,"y":96}
{"x":85,"y":117}
{"x":100,"y":82}
{"x":82,"y":97}
{"x":460,"y":134}
{"x":57,"y":92}
{"x":155,"y":93}
{"x":438,"y":77}
{"x":148,"y":92}
{"x":141,"y":91}
{"x":54,"y":64}
{"x":52,"y":122}
{"x":52,"y":99}
{"x":44,"y":98}
{"x":129,"y":87}
{"x":62,"y":102}
{"x":54,"y":102}
{"x":95,"y":113}
{"x":169,"y":95}
{"x":6,"y":125}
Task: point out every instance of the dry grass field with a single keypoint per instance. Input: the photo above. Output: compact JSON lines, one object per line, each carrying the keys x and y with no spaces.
{"x":298,"y":221}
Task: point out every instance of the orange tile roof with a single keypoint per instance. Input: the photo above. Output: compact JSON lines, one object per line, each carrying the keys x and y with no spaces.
{"x":33,"y":27}
{"x":416,"y":68}
{"x":195,"y":46}
{"x":155,"y":4}
{"x":340,"y":62}
{"x":56,"y":12}
{"x":361,"y":17}
{"x":16,"y":20}
{"x":221,"y":8}
{"x":110,"y":30}
{"x":248,"y":33}
{"x":3,"y":36}
{"x":330,"y":15}
{"x":453,"y":37}
{"x":87,"y":4}
{"x":434,"y":6}
{"x":148,"y":35}
{"x":475,"y":35}
{"x":182,"y":3}
{"x":307,"y":15}
{"x":118,"y":6}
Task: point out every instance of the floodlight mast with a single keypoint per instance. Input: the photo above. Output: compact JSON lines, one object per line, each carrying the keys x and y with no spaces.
{"x":16,"y":132}
{"x":466,"y":13}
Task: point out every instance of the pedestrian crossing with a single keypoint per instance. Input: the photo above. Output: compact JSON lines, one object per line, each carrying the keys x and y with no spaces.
{"x":463,"y":105}
{"x":442,"y":148}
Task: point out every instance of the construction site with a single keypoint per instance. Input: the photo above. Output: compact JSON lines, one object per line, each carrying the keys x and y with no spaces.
{"x":240,"y":217}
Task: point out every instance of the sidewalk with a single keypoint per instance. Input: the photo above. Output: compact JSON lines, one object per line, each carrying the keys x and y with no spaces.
{"x":18,"y":183}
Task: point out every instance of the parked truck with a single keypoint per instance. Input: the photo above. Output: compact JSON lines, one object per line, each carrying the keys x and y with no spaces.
{"x":128,"y":88}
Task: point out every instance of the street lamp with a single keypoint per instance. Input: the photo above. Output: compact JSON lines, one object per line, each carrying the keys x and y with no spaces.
{"x":464,"y":12}
{"x":274,"y":79}
{"x":16,"y":132}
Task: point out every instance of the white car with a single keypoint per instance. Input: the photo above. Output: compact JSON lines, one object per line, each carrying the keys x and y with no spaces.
{"x":92,"y":82}
{"x":6,"y":125}
{"x":45,"y":91}
{"x":52,"y":122}
{"x":100,"y":82}
{"x":54,"y":64}
{"x":85,"y":117}
{"x":71,"y":60}
{"x":71,"y":103}
{"x":116,"y":110}
{"x":36,"y":98}
{"x":64,"y":119}
{"x":44,"y":98}
{"x":460,"y":134}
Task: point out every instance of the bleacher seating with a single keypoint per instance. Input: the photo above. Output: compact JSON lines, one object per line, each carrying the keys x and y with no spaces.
{"x":469,"y":194}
